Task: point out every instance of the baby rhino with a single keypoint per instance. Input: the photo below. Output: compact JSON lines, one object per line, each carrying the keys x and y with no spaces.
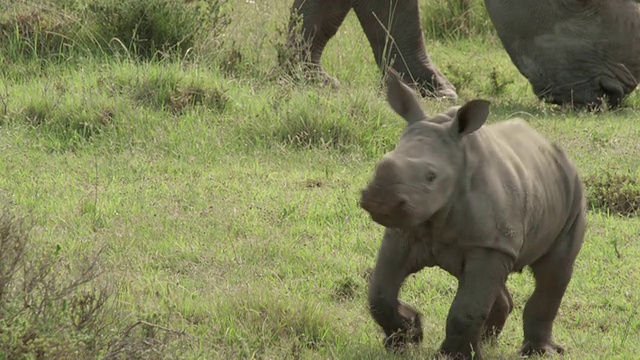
{"x":479,"y":202}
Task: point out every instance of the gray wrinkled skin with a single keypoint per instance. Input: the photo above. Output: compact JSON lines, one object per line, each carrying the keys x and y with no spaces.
{"x":479,"y":202}
{"x":572,"y":51}
{"x":575,"y":52}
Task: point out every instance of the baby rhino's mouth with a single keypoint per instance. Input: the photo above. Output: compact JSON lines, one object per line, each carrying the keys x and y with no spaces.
{"x":386,"y":208}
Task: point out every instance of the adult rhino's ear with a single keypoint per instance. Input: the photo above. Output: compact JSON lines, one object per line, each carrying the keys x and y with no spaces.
{"x":470,"y":117}
{"x":402,"y":99}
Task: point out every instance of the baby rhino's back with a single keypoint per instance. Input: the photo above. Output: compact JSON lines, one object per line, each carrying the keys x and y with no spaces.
{"x":538,"y":157}
{"x":552,"y":190}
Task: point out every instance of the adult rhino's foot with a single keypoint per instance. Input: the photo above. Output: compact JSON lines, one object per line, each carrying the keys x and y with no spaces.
{"x":433,"y":89}
{"x":439,"y":93}
{"x":613,"y":91}
{"x":446,"y":93}
{"x":458,"y":349}
{"x":531,"y":348}
{"x":315,"y":74}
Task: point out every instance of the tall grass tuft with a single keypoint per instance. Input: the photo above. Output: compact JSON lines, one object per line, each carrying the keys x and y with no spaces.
{"x":454,"y":20}
{"x":49,"y":29}
{"x":39,"y":30}
{"x":148,"y":28}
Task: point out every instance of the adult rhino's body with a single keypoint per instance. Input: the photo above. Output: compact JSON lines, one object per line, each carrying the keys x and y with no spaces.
{"x":571,"y":51}
{"x":479,"y":202}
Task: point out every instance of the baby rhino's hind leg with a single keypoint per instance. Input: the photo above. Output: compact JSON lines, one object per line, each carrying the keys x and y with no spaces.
{"x":552,"y":273}
{"x":501,"y":309}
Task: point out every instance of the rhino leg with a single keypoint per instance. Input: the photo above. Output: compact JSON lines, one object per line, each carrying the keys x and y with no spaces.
{"x":481,"y":282}
{"x":394,"y":33}
{"x":320,"y":22}
{"x":500,"y":310}
{"x":400,"y":322}
{"x":552,"y":273}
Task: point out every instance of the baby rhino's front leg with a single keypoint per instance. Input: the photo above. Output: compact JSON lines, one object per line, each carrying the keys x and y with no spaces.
{"x":483,"y":279}
{"x":400,"y":322}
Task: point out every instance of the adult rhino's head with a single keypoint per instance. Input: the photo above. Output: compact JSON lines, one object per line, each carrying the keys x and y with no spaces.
{"x":417,"y":178}
{"x":572,"y":51}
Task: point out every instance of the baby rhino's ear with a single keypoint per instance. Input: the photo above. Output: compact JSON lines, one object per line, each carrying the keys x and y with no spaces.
{"x":470,"y":117}
{"x":402,"y":99}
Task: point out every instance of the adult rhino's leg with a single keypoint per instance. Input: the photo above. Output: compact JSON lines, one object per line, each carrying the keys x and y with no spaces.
{"x":500,"y":310}
{"x":320,"y":22}
{"x":404,"y":49}
{"x":400,"y":322}
{"x":482,"y":280}
{"x":552,"y":274}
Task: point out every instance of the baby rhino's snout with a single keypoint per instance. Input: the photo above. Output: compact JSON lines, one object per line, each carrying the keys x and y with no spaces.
{"x":382,"y":199}
{"x":382,"y":204}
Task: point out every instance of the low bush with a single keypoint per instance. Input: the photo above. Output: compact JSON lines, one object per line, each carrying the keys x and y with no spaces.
{"x":50,"y":306}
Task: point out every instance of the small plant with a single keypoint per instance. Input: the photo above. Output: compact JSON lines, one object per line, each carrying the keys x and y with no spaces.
{"x":292,"y":49}
{"x":346,"y":289}
{"x":13,"y":249}
{"x":52,"y":307}
{"x":615,"y":193}
{"x":498,"y":82}
{"x":49,"y":306}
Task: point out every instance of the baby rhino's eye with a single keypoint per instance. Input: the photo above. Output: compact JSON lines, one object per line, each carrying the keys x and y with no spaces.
{"x":431,"y":176}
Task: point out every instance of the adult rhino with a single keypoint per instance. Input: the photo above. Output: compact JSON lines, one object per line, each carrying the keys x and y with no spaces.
{"x":479,"y":202}
{"x":571,"y":51}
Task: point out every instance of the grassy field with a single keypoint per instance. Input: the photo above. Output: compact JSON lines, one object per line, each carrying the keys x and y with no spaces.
{"x":202,"y":204}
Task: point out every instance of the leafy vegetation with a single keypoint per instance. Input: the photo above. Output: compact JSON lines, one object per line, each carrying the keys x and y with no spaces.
{"x":170,"y":191}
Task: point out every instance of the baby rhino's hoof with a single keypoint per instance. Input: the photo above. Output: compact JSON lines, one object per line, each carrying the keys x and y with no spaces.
{"x":411,"y":334}
{"x":543,"y":348}
{"x":397,"y":342}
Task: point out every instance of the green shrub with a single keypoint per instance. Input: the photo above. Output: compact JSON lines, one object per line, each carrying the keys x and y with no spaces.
{"x":50,"y":306}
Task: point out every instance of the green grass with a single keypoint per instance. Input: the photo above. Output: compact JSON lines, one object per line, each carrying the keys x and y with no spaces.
{"x":224,"y":197}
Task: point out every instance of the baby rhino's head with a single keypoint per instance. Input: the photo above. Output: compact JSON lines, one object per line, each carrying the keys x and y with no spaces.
{"x":417,"y":178}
